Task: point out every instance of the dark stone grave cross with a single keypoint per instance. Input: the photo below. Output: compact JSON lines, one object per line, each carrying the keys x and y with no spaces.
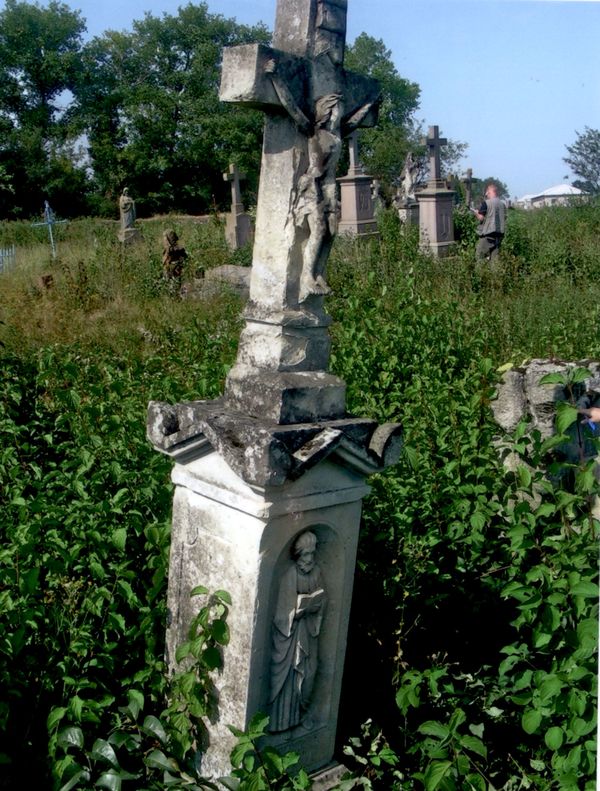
{"x":434,"y":144}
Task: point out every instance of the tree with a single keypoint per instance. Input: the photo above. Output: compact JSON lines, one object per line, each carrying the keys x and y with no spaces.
{"x":39,"y":60}
{"x":384,"y":148}
{"x":148,"y":102}
{"x":584,"y":160}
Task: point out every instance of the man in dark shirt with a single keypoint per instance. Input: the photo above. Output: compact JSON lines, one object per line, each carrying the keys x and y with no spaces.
{"x":492,"y":224}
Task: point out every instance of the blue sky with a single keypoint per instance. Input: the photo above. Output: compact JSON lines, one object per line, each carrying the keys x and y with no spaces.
{"x":515,"y":79}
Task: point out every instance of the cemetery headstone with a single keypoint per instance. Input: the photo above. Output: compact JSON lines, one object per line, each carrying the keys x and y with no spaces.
{"x":436,"y":225}
{"x":468,"y":182}
{"x":358,"y":214}
{"x":8,"y":258}
{"x":49,"y":222}
{"x":128,"y":233}
{"x":269,"y":479}
{"x":238,"y":224}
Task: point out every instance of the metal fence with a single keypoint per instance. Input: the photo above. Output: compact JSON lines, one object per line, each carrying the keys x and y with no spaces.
{"x":8,"y":258}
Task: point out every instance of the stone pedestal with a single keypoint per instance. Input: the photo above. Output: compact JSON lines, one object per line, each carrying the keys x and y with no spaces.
{"x":245,"y":491}
{"x":358,"y":216}
{"x":129,"y":235}
{"x":408,"y":212}
{"x":436,"y":224}
{"x":238,"y":230}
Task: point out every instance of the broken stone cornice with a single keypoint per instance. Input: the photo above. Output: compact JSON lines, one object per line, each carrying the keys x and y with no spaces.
{"x":263,"y":454}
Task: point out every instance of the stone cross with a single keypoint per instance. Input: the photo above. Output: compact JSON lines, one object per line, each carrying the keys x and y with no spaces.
{"x":434,"y":144}
{"x":310,"y":102}
{"x":50,"y":221}
{"x":355,"y":166}
{"x":468,"y":182}
{"x":234,"y":176}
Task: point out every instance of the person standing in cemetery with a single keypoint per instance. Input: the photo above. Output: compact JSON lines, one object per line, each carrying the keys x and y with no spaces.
{"x":492,"y":224}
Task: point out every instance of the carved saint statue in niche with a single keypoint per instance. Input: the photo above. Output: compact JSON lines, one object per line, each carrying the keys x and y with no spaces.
{"x":296,"y":627}
{"x":315,"y":203}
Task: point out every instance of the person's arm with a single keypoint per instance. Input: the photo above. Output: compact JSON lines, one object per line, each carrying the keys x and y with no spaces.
{"x":482,"y":211}
{"x":287,"y":100}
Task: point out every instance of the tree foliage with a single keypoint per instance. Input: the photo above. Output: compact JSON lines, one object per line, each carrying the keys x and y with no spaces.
{"x":162,"y":129}
{"x":584,"y":160}
{"x":40,"y":60}
{"x":384,"y":148}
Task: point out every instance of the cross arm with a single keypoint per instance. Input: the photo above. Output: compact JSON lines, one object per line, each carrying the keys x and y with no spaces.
{"x":362,"y":99}
{"x":246,"y":77}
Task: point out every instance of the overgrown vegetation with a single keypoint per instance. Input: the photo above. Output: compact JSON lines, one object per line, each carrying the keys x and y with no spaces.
{"x":475,"y":604}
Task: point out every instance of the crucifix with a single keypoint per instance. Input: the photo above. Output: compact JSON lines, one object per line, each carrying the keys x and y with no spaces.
{"x":311,"y":102}
{"x":49,"y":222}
{"x":234,"y":176}
{"x":434,"y":144}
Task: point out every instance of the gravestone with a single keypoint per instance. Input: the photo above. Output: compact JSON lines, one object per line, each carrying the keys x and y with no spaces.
{"x":358,"y":214}
{"x":238,"y":224}
{"x":174,"y":256}
{"x":128,"y":233}
{"x":436,"y":225}
{"x":468,"y":182}
{"x":269,"y":479}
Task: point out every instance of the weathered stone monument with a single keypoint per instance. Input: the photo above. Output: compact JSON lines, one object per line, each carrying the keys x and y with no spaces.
{"x":436,"y":225}
{"x":405,"y":202}
{"x":358,"y":214}
{"x":468,"y":182}
{"x":238,"y":224}
{"x":128,"y":233}
{"x":174,"y":256}
{"x":270,"y":478}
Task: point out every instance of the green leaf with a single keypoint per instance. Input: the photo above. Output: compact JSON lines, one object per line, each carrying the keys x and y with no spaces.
{"x":554,"y":738}
{"x":550,"y":687}
{"x":566,"y":415}
{"x":531,"y":720}
{"x":110,"y":780}
{"x":103,"y":751}
{"x":83,"y":775}
{"x":553,"y":379}
{"x":199,"y":590}
{"x":220,"y":632}
{"x":158,"y":760}
{"x":435,"y":774}
{"x":154,"y":727}
{"x":55,"y":716}
{"x":434,"y":728}
{"x":474,"y":745}
{"x":119,"y":538}
{"x":135,"y":703}
{"x":71,"y":737}
{"x":223,"y":596}
{"x":579,"y":375}
{"x":587,"y":589}
{"x":230,"y":783}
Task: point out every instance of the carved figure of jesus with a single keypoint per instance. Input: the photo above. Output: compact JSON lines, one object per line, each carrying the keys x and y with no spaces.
{"x":315,"y":204}
{"x":296,"y":627}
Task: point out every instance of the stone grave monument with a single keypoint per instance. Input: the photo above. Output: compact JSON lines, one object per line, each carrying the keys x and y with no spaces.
{"x":238,"y":224}
{"x":358,"y":214}
{"x":468,"y":182}
{"x":436,"y":225}
{"x":128,"y":233}
{"x":405,"y":202}
{"x":269,"y":479}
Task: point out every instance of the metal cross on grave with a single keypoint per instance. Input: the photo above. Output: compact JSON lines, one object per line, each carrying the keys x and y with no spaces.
{"x":234,"y":176}
{"x":434,"y":144}
{"x":49,"y":222}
